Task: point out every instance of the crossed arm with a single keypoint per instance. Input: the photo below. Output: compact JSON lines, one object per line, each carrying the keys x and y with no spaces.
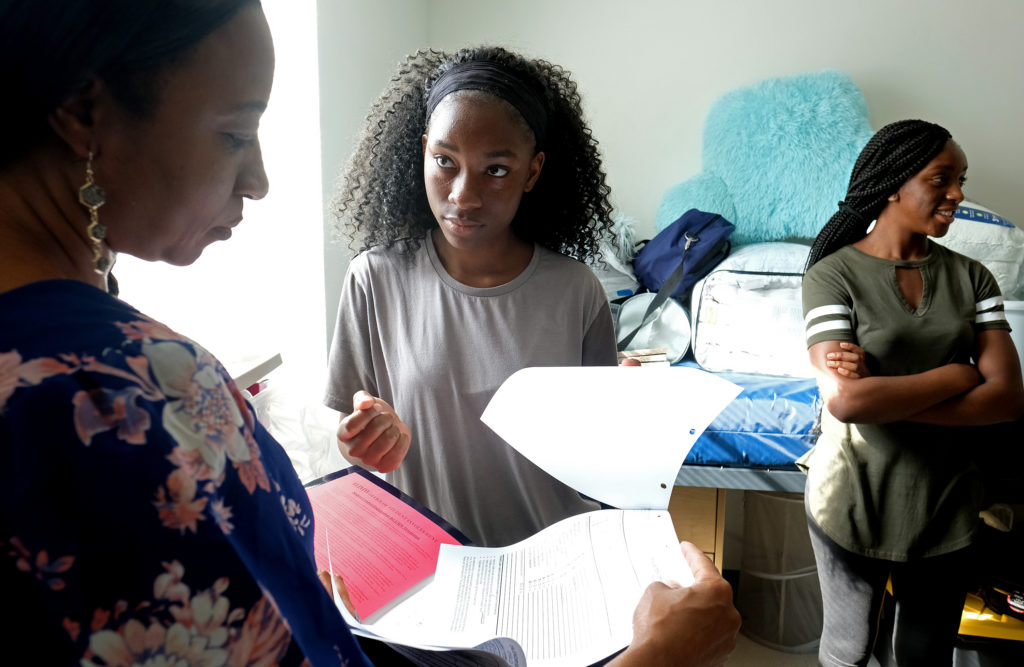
{"x":950,"y":395}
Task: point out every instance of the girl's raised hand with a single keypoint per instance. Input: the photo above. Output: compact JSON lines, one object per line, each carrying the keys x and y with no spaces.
{"x":373,"y":434}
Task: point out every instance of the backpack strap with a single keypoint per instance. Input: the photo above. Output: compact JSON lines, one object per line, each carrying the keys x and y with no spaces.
{"x":666,"y":289}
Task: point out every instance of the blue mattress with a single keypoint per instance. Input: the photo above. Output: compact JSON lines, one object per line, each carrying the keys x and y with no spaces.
{"x":769,"y":425}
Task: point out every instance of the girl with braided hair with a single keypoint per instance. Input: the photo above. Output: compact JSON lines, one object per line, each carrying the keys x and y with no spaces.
{"x":889,"y":494}
{"x":474,"y":197}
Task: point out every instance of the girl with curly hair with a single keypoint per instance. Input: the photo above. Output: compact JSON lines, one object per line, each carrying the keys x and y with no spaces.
{"x":474,"y":197}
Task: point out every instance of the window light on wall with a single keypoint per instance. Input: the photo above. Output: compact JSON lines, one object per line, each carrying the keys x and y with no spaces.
{"x":260,"y":293}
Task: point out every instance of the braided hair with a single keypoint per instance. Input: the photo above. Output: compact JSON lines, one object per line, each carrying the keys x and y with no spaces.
{"x":382,"y":197}
{"x":894,"y":154}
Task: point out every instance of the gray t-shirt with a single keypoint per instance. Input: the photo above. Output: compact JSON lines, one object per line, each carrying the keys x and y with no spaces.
{"x":437,"y":350}
{"x":901,"y":490}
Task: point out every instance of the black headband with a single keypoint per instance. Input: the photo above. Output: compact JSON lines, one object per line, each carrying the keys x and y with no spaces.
{"x":490,"y":78}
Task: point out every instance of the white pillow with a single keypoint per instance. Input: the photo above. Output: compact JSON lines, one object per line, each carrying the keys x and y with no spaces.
{"x":747,"y":314}
{"x":775,"y":256}
{"x":986,"y":236}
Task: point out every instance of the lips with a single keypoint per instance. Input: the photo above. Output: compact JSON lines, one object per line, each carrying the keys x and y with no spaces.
{"x":461,"y":225}
{"x":223,"y":232}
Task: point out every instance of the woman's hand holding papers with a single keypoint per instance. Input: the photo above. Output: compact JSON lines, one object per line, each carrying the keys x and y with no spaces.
{"x":373,"y":435}
{"x":325,"y":579}
{"x":694,"y":626}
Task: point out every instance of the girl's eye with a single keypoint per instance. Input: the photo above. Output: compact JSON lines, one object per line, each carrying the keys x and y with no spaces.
{"x":443,"y":161}
{"x":497,"y":170}
{"x":963,"y":181}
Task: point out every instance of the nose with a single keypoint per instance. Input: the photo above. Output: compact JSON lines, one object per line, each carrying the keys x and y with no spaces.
{"x":252,"y":180}
{"x":955,"y":193}
{"x":464,"y":192}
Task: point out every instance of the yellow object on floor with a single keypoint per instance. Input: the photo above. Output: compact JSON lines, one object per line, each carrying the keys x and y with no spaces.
{"x":979,"y":620}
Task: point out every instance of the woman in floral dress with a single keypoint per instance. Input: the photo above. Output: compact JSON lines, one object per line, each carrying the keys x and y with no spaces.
{"x":146,"y":517}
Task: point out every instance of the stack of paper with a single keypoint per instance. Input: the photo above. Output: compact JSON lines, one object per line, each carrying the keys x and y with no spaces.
{"x":564,"y":596}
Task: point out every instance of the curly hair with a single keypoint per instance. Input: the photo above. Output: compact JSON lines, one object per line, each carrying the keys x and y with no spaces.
{"x":894,"y":154}
{"x":382,"y":197}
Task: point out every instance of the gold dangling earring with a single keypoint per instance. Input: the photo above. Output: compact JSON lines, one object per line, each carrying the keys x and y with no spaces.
{"x":92,"y":197}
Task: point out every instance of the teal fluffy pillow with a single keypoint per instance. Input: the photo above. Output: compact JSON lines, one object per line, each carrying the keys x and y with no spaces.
{"x":777,"y":157}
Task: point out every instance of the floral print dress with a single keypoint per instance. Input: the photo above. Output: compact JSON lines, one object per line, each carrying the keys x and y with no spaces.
{"x":147,"y":518}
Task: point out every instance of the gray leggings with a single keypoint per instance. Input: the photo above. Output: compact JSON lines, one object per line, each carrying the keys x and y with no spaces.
{"x":929,"y":594}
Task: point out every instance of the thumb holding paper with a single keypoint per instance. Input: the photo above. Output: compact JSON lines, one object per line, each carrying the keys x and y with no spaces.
{"x":694,"y":625}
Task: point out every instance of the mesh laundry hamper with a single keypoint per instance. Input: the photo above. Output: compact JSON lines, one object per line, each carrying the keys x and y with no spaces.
{"x":779,"y":595}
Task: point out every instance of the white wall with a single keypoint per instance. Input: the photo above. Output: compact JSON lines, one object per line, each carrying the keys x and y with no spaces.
{"x":260,"y":293}
{"x":361,"y":43}
{"x":649,"y":70}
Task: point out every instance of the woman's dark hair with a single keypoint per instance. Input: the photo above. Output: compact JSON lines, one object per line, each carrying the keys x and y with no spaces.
{"x":382,"y":197}
{"x":894,"y":154}
{"x":51,"y":48}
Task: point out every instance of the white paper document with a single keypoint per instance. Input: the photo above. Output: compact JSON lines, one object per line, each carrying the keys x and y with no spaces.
{"x":409,"y":633}
{"x":616,"y":434}
{"x":565,"y":595}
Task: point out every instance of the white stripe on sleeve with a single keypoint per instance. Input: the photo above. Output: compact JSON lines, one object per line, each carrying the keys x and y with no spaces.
{"x":830,"y":325}
{"x":987,"y":304}
{"x":821,"y":311}
{"x":994,"y":316}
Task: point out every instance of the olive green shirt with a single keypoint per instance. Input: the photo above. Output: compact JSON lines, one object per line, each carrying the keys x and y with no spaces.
{"x":901,"y":490}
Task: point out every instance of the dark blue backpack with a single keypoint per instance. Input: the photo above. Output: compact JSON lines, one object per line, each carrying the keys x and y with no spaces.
{"x":676,"y":258}
{"x":705,"y":239}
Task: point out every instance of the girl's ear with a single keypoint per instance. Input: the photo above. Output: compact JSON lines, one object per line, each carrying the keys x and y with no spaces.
{"x":536,"y":164}
{"x":74,"y":121}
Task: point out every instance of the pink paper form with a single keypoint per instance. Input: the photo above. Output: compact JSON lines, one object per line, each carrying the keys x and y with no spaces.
{"x":380,"y":545}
